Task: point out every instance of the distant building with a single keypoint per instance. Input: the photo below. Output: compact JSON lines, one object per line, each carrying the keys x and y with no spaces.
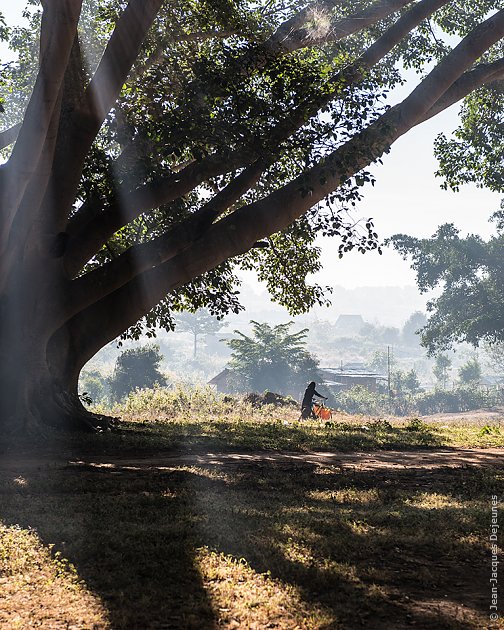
{"x":349,"y":325}
{"x":350,"y":375}
{"x":224,"y":381}
{"x":492,"y":382}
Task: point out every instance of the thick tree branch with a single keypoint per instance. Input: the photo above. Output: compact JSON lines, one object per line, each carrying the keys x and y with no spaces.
{"x":88,"y":231}
{"x":26,"y":223}
{"x":84,"y":122}
{"x":483,"y":74}
{"x":98,"y":283}
{"x":463,"y":56}
{"x":59,"y":25}
{"x":296,"y":32}
{"x":356,"y":72}
{"x":118,"y":59}
{"x":9,"y":136}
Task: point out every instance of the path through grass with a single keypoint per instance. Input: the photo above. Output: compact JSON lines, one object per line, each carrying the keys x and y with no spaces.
{"x":247,"y":545}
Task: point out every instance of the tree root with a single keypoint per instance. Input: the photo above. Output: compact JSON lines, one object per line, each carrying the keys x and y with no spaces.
{"x":72,"y":415}
{"x":33,"y":414}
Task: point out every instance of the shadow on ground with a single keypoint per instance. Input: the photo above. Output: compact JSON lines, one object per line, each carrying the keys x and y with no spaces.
{"x":377,"y":549}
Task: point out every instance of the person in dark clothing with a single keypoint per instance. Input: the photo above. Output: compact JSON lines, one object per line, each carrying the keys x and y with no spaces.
{"x":307,"y":404}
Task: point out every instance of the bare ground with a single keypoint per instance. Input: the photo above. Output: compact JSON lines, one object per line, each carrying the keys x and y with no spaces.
{"x":358,"y":461}
{"x":415,"y":585}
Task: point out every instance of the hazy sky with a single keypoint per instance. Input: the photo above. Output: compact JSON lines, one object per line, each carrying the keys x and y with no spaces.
{"x":406,"y":198}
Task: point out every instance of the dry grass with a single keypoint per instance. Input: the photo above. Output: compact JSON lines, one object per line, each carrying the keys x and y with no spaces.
{"x":246,"y":546}
{"x":200,"y":418}
{"x":39,"y":589}
{"x":243,"y":598}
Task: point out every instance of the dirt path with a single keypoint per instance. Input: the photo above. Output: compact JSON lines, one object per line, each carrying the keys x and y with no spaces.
{"x":361,"y":461}
{"x":376,"y":460}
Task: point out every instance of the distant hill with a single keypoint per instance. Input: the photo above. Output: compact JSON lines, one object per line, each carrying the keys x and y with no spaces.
{"x":390,"y":306}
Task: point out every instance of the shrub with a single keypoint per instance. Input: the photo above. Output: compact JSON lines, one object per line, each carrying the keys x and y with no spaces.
{"x":137,"y":368}
{"x":202,"y":402}
{"x":362,"y":401}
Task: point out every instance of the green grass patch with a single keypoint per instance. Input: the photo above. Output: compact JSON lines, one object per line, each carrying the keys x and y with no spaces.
{"x":198,"y":418}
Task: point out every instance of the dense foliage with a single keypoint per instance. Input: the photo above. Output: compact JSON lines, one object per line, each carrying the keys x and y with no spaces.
{"x":136,"y":368}
{"x":459,"y":399}
{"x":272,"y":358}
{"x":469,"y":272}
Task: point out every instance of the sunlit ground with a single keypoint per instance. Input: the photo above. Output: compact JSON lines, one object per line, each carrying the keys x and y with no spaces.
{"x":40,"y":588}
{"x":244,"y":545}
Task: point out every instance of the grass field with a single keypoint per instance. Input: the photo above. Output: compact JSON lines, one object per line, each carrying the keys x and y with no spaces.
{"x":247,"y":544}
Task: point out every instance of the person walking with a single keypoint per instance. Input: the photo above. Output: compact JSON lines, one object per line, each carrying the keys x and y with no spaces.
{"x":307,"y":404}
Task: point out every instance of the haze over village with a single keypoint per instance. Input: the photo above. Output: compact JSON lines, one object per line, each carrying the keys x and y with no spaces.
{"x":364,"y":335}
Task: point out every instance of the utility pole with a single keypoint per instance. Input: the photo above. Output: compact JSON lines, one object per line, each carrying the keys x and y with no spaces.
{"x":388,"y":371}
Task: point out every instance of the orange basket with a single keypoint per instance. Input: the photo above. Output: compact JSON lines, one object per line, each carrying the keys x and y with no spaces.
{"x":322,"y":412}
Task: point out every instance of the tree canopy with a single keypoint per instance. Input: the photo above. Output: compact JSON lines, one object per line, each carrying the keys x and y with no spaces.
{"x":469,"y":272}
{"x":470,"y":372}
{"x":158,"y":146}
{"x":272,"y":358}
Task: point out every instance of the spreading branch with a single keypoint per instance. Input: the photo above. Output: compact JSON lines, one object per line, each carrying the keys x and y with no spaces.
{"x":59,"y":26}
{"x":89,"y":230}
{"x":295,"y":33}
{"x":238,"y":232}
{"x":288,"y":37}
{"x":112,"y":275}
{"x":120,"y":54}
{"x":102,"y":92}
{"x":90,"y":236}
{"x":482,"y":74}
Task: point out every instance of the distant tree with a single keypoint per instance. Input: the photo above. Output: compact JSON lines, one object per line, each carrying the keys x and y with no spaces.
{"x":93,"y":385}
{"x":469,"y":271}
{"x":495,"y":356}
{"x":368,"y":331}
{"x":470,"y":372}
{"x":405,"y":382}
{"x":199,"y":323}
{"x":440,"y":370}
{"x":411,"y":382}
{"x":389,"y":334}
{"x":273,"y":358}
{"x":136,"y":368}
{"x":381,"y":360}
{"x":411,"y":329}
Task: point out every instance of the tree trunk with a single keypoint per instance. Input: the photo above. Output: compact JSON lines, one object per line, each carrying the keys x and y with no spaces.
{"x":34,"y":393}
{"x":38,"y":378}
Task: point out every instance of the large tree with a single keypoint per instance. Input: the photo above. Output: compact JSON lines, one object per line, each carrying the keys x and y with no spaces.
{"x":164,"y":142}
{"x":467,"y":276}
{"x":272,"y":358}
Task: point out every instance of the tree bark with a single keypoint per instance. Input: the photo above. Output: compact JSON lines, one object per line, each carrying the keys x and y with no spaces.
{"x":52,"y":321}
